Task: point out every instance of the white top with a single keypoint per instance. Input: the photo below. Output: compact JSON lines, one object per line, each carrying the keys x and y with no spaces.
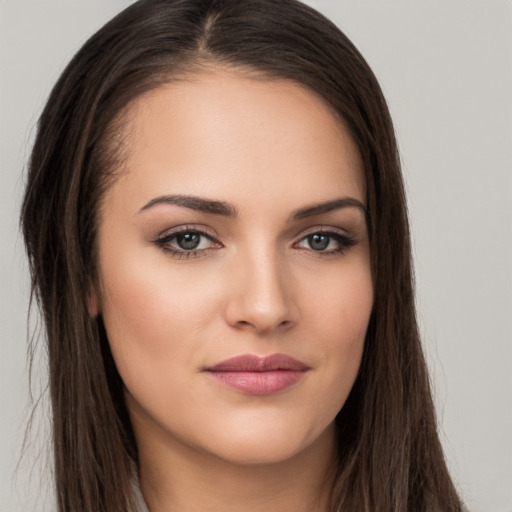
{"x":140,"y":504}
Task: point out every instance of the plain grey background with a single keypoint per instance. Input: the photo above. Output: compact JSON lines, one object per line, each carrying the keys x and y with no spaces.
{"x":446,"y":69}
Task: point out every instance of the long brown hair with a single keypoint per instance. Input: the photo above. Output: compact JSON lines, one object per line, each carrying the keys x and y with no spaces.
{"x":390,"y":457}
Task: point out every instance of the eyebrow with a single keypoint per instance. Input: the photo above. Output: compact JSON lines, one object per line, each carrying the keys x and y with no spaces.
{"x":195,"y":203}
{"x":329,"y":206}
{"x":228,"y":210}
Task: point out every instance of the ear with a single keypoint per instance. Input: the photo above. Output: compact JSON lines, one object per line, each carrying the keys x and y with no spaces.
{"x":93,"y":302}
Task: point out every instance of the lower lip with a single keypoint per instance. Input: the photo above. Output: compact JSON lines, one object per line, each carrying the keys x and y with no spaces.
{"x":258,"y":383}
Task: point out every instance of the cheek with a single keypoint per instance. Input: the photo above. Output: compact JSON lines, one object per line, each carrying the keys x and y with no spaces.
{"x":341,"y":315}
{"x":153,"y":313}
{"x":341,"y":302}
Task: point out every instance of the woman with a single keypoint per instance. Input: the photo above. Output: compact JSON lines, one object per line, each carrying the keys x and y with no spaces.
{"x":218,"y":239}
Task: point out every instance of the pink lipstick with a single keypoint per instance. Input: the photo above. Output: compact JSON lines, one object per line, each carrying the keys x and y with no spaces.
{"x":258,"y":375}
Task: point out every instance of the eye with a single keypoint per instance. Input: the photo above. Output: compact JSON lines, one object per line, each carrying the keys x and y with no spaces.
{"x":187,"y":242}
{"x":328,"y":242}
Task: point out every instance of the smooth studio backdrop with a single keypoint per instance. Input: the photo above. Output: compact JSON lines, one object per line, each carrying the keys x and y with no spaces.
{"x":446,"y":69}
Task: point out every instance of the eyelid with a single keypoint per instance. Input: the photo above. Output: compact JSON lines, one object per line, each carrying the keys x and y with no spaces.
{"x":325,"y":229}
{"x":343,"y":238}
{"x":185,"y":228}
{"x":163,"y":241}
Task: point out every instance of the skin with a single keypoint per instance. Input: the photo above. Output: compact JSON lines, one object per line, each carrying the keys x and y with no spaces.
{"x":255,"y":286}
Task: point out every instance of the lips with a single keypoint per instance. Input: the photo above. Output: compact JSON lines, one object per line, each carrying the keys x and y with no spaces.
{"x":256,"y":375}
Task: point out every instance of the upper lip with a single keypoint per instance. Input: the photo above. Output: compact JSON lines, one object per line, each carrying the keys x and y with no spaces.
{"x":254,"y":363}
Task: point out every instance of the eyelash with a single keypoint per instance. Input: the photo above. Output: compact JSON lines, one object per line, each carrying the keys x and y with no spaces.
{"x":165,"y":240}
{"x":343,"y":240}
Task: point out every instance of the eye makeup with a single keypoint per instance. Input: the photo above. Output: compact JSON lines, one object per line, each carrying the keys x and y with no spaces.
{"x":326,"y":241}
{"x":191,"y":241}
{"x":187,"y":242}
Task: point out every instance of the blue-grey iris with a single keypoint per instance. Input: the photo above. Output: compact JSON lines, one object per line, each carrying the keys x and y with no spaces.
{"x":318,"y":242}
{"x":188,"y":241}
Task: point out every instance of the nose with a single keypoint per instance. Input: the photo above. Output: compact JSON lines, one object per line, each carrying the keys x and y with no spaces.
{"x":261,"y":298}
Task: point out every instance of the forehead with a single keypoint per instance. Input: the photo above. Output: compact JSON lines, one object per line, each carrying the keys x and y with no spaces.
{"x":200,"y":133}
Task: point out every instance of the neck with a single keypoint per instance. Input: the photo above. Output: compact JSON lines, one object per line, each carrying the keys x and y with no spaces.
{"x":176,"y":477}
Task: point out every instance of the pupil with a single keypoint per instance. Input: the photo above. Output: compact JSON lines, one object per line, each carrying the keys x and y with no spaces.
{"x":188,"y":241}
{"x":318,"y":242}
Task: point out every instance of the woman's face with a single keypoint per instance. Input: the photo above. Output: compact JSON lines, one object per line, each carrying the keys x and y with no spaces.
{"x":235,"y":230}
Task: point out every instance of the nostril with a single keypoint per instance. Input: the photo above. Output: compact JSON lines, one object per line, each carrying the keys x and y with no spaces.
{"x":257,"y":326}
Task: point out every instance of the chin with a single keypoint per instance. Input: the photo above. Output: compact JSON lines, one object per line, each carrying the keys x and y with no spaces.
{"x":272,"y":445}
